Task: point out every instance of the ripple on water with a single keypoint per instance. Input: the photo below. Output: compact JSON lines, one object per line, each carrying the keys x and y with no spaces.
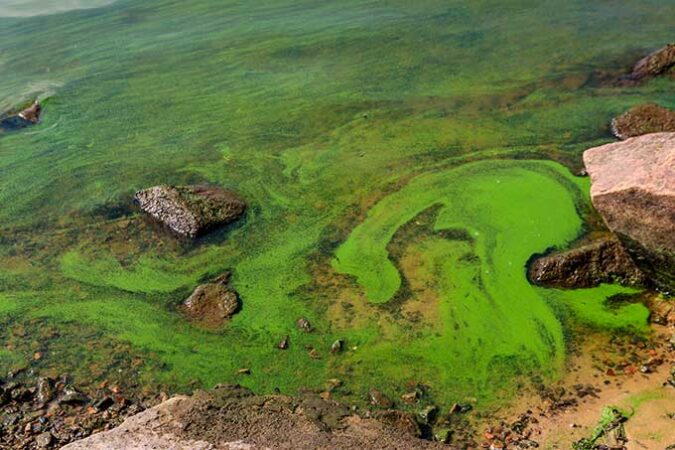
{"x":28,"y":8}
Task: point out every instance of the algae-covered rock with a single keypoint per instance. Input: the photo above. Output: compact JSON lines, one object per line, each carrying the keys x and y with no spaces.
{"x":643,"y":119}
{"x":211,"y":304}
{"x":601,"y":261}
{"x":633,"y":188}
{"x":191,"y":210}
{"x":656,"y":63}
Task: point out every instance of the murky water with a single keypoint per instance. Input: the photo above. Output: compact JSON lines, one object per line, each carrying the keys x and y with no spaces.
{"x":28,"y":8}
{"x":340,"y":123}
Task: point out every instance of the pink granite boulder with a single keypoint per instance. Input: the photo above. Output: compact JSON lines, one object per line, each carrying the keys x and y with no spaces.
{"x":633,"y":188}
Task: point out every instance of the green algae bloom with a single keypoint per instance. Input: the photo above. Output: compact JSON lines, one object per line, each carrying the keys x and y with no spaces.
{"x":341,"y":124}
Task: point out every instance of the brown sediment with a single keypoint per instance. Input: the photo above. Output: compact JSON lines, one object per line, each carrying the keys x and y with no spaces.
{"x":631,"y":374}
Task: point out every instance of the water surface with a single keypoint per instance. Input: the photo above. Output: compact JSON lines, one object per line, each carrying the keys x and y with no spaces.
{"x":340,"y":122}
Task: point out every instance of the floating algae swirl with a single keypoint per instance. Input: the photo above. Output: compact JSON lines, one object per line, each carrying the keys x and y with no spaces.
{"x":492,"y":319}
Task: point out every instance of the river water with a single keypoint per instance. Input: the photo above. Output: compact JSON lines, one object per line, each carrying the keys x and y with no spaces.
{"x":343,"y":124}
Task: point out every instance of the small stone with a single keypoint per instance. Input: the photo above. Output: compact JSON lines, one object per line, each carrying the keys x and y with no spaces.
{"x":443,"y":435}
{"x":104,"y":403}
{"x":377,"y":398}
{"x":71,"y":396}
{"x":283,"y":344}
{"x":460,"y":408}
{"x":337,"y":346}
{"x":303,"y":324}
{"x":333,"y":384}
{"x":43,"y":440}
{"x":428,"y":415}
{"x":244,"y":371}
{"x":44,"y":390}
{"x":211,"y":305}
{"x":410,"y":397}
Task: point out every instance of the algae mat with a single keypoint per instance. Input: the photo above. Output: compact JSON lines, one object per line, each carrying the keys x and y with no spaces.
{"x":344,"y":124}
{"x":492,"y":324}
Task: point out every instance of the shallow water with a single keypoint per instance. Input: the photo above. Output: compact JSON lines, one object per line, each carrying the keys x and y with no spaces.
{"x":29,"y":8}
{"x":340,"y":123}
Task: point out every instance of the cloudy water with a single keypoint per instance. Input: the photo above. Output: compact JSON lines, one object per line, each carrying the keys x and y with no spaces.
{"x":401,"y":160}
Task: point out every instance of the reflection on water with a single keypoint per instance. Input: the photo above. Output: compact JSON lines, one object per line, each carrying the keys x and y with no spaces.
{"x":28,"y":8}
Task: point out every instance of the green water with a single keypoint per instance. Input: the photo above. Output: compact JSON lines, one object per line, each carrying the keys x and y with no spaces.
{"x":339,"y":122}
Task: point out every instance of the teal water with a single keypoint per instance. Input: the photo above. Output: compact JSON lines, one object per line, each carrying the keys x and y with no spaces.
{"x":322,"y":115}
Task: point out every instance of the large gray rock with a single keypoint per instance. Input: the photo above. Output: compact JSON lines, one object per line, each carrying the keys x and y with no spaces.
{"x":231,"y":417}
{"x":191,"y":210}
{"x":633,"y":188}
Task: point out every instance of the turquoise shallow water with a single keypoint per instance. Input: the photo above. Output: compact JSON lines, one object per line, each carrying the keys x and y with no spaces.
{"x":321,"y":114}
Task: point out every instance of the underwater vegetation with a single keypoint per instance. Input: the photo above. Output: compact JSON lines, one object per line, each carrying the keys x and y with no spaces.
{"x":342,"y":124}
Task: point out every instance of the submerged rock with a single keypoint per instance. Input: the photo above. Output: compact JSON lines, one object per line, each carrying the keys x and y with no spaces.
{"x":601,"y":261}
{"x":643,"y":119}
{"x":654,"y":64}
{"x":633,"y":188}
{"x":211,"y":304}
{"x":27,"y":117}
{"x":191,"y":210}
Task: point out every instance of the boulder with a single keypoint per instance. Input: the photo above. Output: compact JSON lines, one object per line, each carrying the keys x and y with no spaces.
{"x":643,"y":119}
{"x":601,"y":261}
{"x":633,"y":189}
{"x":191,"y":210}
{"x":230,"y":417}
{"x":27,"y":117}
{"x":211,"y":304}
{"x":656,"y":63}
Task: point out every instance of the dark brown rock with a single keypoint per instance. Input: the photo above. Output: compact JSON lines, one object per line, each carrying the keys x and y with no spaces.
{"x":191,"y":210}
{"x":601,"y":261}
{"x":633,"y":188}
{"x":656,"y":63}
{"x":211,"y":304}
{"x":643,"y":119}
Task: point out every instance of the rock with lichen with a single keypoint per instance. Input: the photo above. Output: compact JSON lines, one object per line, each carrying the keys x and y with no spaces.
{"x":191,"y":210}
